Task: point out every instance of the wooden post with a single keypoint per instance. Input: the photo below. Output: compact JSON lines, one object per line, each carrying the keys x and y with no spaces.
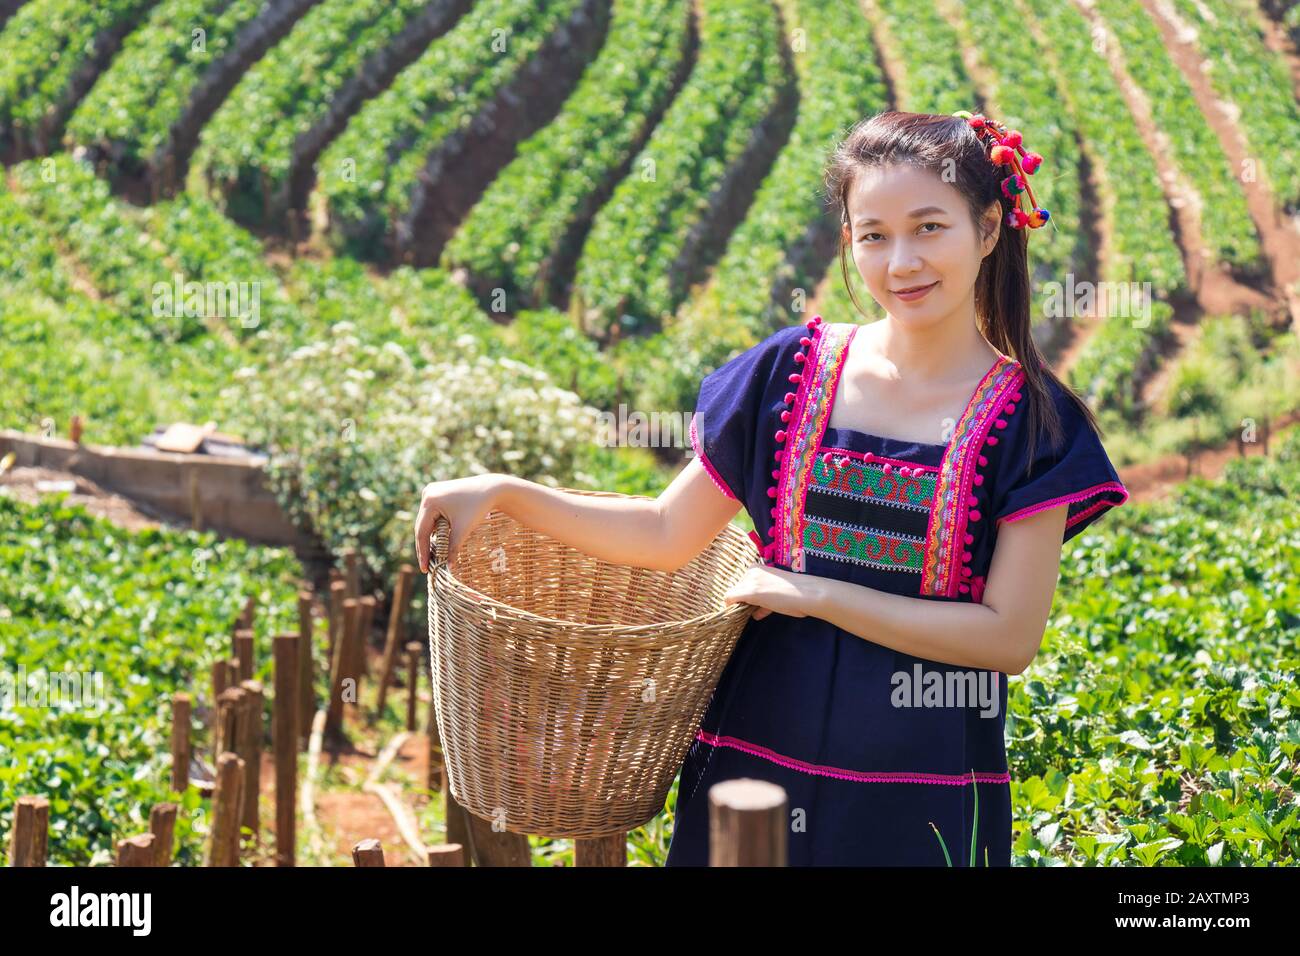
{"x":137,"y":851}
{"x":601,"y":851}
{"x":341,"y":669}
{"x":368,"y":853}
{"x":337,"y":615}
{"x":223,"y":840}
{"x":232,"y":672}
{"x":219,"y":683}
{"x":29,"y":840}
{"x":162,"y":824}
{"x":285,"y":743}
{"x":396,"y":629}
{"x":496,"y":847}
{"x":457,"y":821}
{"x":446,"y":854}
{"x":412,"y":682}
{"x":250,"y":749}
{"x":368,"y":604}
{"x":246,"y":615}
{"x":747,"y":823}
{"x":244,"y":650}
{"x":229,"y":705}
{"x":433,"y":775}
{"x":180,"y":741}
{"x":306,"y":667}
{"x":352,"y":572}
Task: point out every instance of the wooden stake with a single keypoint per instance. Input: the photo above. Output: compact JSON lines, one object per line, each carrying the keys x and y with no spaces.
{"x":368,"y":853}
{"x":250,"y":750}
{"x":337,"y":615}
{"x":162,"y":824}
{"x":340,"y":670}
{"x":29,"y":840}
{"x":181,"y":710}
{"x":137,"y":851}
{"x":285,"y":742}
{"x":368,"y":604}
{"x":244,"y":650}
{"x":223,"y":840}
{"x":232,"y":672}
{"x":229,"y":706}
{"x":747,"y":823}
{"x":396,"y":629}
{"x":601,"y":851}
{"x":352,"y":572}
{"x":412,"y":681}
{"x":433,"y":776}
{"x":306,"y":667}
{"x":447,"y":854}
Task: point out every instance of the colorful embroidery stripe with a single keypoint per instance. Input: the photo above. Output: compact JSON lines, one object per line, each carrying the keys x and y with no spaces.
{"x":812,"y":408}
{"x":861,"y":479}
{"x":839,"y":773}
{"x":880,"y":549}
{"x":945,"y":539}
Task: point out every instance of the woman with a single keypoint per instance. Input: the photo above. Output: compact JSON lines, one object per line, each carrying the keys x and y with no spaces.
{"x":911,"y":482}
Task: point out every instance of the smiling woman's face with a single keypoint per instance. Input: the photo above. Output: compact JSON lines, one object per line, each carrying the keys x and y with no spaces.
{"x":908,"y":228}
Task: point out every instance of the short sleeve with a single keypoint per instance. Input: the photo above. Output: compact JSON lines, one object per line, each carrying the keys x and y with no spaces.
{"x":1075,"y":471}
{"x":730,"y":424}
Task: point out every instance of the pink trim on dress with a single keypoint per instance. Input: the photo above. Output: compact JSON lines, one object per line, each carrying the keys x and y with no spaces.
{"x":708,"y":465}
{"x":838,"y":452}
{"x":1087,"y":493}
{"x":859,"y":776}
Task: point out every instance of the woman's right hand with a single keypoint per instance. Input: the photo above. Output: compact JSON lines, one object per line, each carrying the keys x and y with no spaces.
{"x":462,"y":501}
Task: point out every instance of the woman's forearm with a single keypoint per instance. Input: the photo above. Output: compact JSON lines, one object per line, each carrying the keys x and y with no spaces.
{"x":618,"y":530}
{"x":957,"y":633}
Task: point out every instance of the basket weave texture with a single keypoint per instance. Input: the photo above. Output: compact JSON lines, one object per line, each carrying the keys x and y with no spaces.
{"x":568,"y":689}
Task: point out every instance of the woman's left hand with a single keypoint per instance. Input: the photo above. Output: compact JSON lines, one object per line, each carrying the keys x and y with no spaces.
{"x":771,"y":589}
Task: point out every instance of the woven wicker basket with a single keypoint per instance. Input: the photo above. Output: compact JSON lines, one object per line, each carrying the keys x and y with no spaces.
{"x":568,"y":689}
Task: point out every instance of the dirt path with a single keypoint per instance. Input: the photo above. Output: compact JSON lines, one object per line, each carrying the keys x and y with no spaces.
{"x":1154,"y":480}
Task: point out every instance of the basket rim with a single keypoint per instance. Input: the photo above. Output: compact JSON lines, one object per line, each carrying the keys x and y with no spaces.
{"x":500,"y":608}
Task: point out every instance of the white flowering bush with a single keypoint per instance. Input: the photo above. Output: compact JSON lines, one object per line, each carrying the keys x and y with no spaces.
{"x":355,"y":431}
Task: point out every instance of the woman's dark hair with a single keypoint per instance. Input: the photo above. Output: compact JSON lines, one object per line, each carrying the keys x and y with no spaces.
{"x":950,"y":148}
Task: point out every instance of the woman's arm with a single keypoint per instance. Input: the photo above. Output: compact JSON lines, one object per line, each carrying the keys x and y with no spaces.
{"x":1003,"y":633}
{"x":662,"y":533}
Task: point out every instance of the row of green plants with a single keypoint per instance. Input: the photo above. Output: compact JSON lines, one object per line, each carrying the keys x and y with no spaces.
{"x":136,"y":270}
{"x":44,"y":46}
{"x":927,"y":51}
{"x":523,"y":229}
{"x":1226,"y":227}
{"x":129,"y":112}
{"x":767,"y":274}
{"x":1142,"y":247}
{"x":1110,"y":367}
{"x":394,"y":392}
{"x":136,"y":617}
{"x":1029,"y":101}
{"x":1128,"y":185}
{"x":1160,"y":724}
{"x":370,"y":175}
{"x":1238,"y":377}
{"x":929,"y":77}
{"x":1246,"y":73}
{"x":246,"y":150}
{"x":632,"y":272}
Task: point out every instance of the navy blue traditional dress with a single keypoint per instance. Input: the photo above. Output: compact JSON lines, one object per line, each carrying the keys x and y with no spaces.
{"x":866,"y":744}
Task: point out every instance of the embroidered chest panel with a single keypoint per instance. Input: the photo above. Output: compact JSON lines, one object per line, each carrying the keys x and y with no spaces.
{"x":855,"y":510}
{"x":876,"y":511}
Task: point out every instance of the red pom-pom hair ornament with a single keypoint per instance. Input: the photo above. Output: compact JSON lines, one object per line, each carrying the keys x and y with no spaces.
{"x":1007,"y":149}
